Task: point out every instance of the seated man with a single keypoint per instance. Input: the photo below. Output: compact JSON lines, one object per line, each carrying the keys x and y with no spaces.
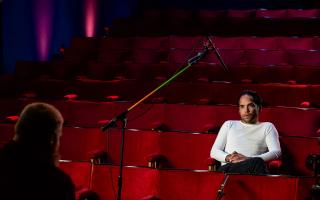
{"x":243,"y":146}
{"x":28,"y":162}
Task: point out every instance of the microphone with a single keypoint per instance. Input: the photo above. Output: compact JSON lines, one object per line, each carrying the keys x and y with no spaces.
{"x":197,"y":57}
{"x":112,"y":123}
{"x":218,"y":54}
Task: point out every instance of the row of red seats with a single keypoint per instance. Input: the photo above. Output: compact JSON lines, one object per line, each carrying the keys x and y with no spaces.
{"x":256,"y":70}
{"x":178,"y":92}
{"x":233,"y":57}
{"x":65,"y":70}
{"x":147,"y":184}
{"x":178,"y":117}
{"x":164,"y":43}
{"x":259,"y":66}
{"x":92,"y":48}
{"x":167,"y":150}
{"x":172,"y":149}
{"x":150,"y":58}
{"x":232,"y":13}
{"x":221,"y":22}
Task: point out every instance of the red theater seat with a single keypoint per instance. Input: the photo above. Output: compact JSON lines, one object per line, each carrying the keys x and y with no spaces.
{"x":264,"y":57}
{"x":138,"y":147}
{"x":100,"y":70}
{"x":67,"y":69}
{"x":315,"y":95}
{"x":146,"y":65}
{"x":295,"y":121}
{"x":303,"y":13}
{"x":269,"y":43}
{"x":272,"y":94}
{"x":307,"y":74}
{"x":158,"y":72}
{"x":296,"y":43}
{"x":142,"y":183}
{"x":48,"y":89}
{"x":82,"y":143}
{"x":179,"y":92}
{"x":175,"y":147}
{"x":146,"y":56}
{"x":263,"y":64}
{"x":186,"y":42}
{"x":241,"y":14}
{"x":260,"y":187}
{"x":151,"y":43}
{"x":162,"y":149}
{"x":295,"y":151}
{"x":228,"y":42}
{"x":87,"y":114}
{"x":304,"y":58}
{"x":181,"y":117}
{"x":306,"y":66}
{"x":210,"y":14}
{"x":137,"y":182}
{"x":271,"y":14}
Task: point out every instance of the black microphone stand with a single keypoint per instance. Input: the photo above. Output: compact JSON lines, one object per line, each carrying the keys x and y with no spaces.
{"x":217,"y":54}
{"x":123,"y":116}
{"x":220,"y":192}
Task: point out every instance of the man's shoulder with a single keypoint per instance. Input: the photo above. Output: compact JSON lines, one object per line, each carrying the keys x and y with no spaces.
{"x":61,"y":182}
{"x":231,"y":122}
{"x":60,"y":175}
{"x":267,"y":124}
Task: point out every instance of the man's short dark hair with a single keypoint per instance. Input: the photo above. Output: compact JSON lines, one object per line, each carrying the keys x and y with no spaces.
{"x":255,"y":97}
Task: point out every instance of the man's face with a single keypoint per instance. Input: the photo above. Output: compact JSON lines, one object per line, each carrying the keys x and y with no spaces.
{"x":248,"y":110}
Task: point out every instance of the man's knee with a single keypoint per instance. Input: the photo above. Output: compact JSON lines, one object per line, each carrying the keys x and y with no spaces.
{"x":257,"y":161}
{"x":258,"y":166}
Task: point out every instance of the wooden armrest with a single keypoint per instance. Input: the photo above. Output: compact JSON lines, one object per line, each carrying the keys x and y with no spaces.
{"x":160,"y":126}
{"x":212,"y":164}
{"x":156,"y":160}
{"x":99,"y":157}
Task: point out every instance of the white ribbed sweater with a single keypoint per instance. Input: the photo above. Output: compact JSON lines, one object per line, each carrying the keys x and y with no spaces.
{"x":251,"y":140}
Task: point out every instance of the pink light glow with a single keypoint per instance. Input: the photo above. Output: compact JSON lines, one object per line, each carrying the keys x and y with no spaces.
{"x":43,"y":17}
{"x":90,"y":17}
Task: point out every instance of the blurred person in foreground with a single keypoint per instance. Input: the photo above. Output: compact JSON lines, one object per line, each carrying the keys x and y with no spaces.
{"x":28,"y":163}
